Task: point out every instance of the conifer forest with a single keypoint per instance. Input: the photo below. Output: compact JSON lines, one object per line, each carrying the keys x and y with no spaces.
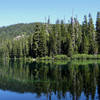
{"x":50,"y":39}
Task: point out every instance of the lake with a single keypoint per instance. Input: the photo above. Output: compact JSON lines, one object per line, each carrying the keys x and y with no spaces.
{"x":73,"y":80}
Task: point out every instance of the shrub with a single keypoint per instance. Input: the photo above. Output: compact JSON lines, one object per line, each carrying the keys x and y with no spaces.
{"x":61,"y":57}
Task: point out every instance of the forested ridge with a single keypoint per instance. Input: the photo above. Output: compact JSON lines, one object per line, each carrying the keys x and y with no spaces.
{"x":46,"y":39}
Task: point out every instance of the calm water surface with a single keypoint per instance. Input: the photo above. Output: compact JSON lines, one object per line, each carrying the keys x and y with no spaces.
{"x":74,"y":80}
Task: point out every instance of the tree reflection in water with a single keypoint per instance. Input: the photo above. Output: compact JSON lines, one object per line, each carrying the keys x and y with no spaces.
{"x":74,"y":81}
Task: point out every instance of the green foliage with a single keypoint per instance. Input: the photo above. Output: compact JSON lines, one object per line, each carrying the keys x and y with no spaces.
{"x":44,"y":58}
{"x":85,"y":38}
{"x":70,"y":48}
{"x":91,"y":36}
{"x":57,"y":57}
{"x":60,"y":57}
{"x":85,"y":56}
{"x":39,"y":45}
{"x":45,"y":39}
{"x":98,"y":30}
{"x":44,"y":78}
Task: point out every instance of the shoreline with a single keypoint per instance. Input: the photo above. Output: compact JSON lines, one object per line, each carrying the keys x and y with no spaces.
{"x":57,"y":58}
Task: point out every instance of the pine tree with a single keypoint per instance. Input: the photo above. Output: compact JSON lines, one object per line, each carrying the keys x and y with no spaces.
{"x":53,"y":41}
{"x":35,"y":41}
{"x":98,"y":30}
{"x":30,"y":42}
{"x":78,"y":36}
{"x":14,"y":49}
{"x":63,"y":37}
{"x":73,"y":32}
{"x":85,"y":42}
{"x":19,"y":49}
{"x":91,"y":35}
{"x":26,"y":48}
{"x":58,"y":36}
{"x":70,"y":48}
{"x":42,"y":45}
{"x":39,"y":45}
{"x":9,"y":47}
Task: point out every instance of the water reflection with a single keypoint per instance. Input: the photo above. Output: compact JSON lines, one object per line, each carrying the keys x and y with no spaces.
{"x":51,"y":81}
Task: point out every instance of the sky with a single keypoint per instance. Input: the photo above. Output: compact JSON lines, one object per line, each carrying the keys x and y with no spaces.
{"x":29,"y":11}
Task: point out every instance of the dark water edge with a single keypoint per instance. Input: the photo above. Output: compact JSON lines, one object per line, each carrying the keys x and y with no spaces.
{"x":76,"y":80}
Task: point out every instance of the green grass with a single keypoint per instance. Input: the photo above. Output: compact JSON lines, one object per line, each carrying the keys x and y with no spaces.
{"x":66,"y":58}
{"x":44,"y":58}
{"x":61,"y":57}
{"x":77,"y":59}
{"x":85,"y":56}
{"x":57,"y":57}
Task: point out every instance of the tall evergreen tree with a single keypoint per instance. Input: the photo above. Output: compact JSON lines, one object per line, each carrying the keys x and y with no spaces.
{"x":53,"y":41}
{"x":71,"y":38}
{"x":70,"y":48}
{"x":91,"y":35}
{"x":72,"y":32}
{"x":14,"y":49}
{"x":98,"y":30}
{"x":39,"y":46}
{"x":85,"y":42}
{"x":35,"y":41}
{"x":26,"y":48}
{"x":42,"y":45}
{"x":64,"y":36}
{"x":78,"y":36}
{"x":30,"y":42}
{"x":58,"y":36}
{"x":19,"y":50}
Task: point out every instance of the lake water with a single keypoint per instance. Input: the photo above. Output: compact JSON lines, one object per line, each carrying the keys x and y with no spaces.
{"x":76,"y":80}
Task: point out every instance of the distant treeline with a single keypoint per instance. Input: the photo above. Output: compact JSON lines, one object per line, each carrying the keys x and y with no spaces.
{"x":46,"y":39}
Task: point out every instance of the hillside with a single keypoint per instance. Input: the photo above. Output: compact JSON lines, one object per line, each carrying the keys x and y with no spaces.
{"x":12,"y":31}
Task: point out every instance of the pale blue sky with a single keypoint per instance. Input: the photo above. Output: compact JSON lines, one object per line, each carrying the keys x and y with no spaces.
{"x":26,"y":11}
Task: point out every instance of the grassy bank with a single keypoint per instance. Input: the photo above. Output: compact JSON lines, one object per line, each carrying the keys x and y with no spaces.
{"x":65,"y":57}
{"x":58,"y":58}
{"x":85,"y":56}
{"x":79,"y":59}
{"x":28,"y":59}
